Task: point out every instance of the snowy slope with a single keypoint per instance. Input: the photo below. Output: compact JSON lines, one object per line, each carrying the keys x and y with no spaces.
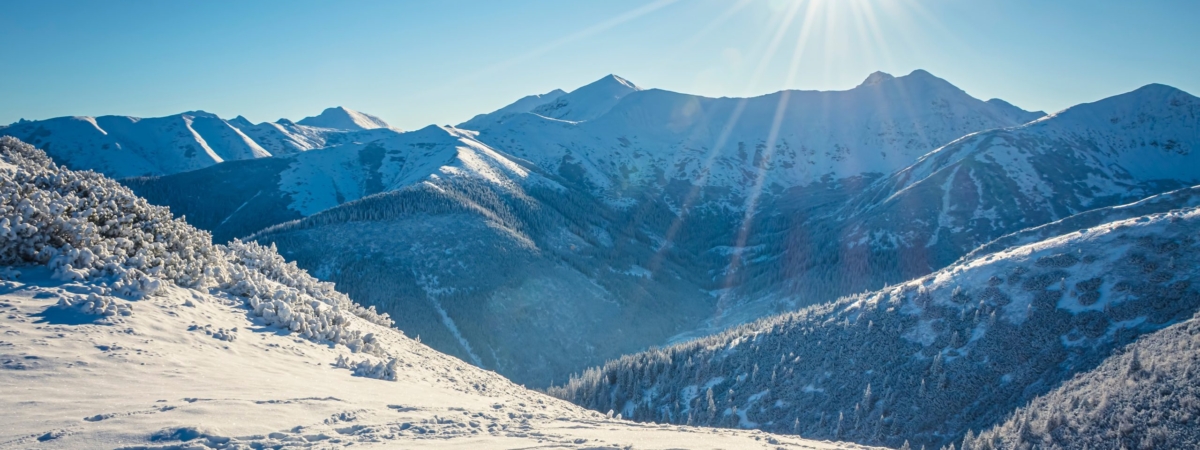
{"x":340,"y":118}
{"x":523,"y":105}
{"x":766,"y":143}
{"x":833,"y":239}
{"x":1113,"y":151}
{"x":188,"y":368}
{"x":486,"y":254}
{"x":125,"y":328}
{"x":282,"y":137}
{"x":1178,"y":199}
{"x":929,"y":360}
{"x":324,"y":179}
{"x":524,"y":277}
{"x":588,"y":102}
{"x":1146,"y":397}
{"x":246,"y":197}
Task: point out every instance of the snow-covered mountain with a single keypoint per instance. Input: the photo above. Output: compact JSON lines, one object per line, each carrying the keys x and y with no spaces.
{"x":124,"y":327}
{"x":588,"y":102}
{"x":252,"y":195}
{"x":340,"y":118}
{"x":523,"y":105}
{"x":932,"y":360}
{"x":121,"y":146}
{"x":526,"y":277}
{"x":972,"y":191}
{"x":637,"y":138}
{"x":128,"y":146}
{"x":1113,"y":151}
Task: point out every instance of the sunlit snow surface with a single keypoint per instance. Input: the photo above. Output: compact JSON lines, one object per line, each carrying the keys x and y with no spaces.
{"x":191,"y":369}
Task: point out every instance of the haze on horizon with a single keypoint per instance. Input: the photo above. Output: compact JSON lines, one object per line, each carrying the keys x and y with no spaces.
{"x":413,"y":64}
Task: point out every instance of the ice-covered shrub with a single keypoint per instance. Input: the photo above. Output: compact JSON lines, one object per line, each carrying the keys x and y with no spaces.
{"x":96,"y":305}
{"x":381,"y":370}
{"x":1043,"y":280}
{"x":1090,"y":284}
{"x":222,"y":334}
{"x":1060,"y":260}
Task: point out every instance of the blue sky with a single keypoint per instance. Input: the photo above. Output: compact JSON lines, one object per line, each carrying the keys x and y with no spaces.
{"x":420,"y":62}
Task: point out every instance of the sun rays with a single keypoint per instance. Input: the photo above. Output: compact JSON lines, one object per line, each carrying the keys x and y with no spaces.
{"x":824,"y":23}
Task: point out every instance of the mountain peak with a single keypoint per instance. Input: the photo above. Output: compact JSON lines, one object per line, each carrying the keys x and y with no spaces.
{"x":200,"y":113}
{"x":877,"y":78}
{"x":1155,"y":104}
{"x":344,"y":119}
{"x":241,"y":122}
{"x":616,"y":81}
{"x":590,"y":101}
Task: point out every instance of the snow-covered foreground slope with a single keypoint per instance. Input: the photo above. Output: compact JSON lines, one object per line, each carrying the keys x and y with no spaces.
{"x":194,"y":369}
{"x":928,"y":360}
{"x":126,"y":328}
{"x":121,"y":147}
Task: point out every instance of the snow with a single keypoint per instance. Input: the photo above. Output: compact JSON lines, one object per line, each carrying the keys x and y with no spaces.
{"x":321,"y":179}
{"x":879,"y":127}
{"x":340,"y":118}
{"x":523,"y":105}
{"x":587,"y":102}
{"x":120,"y":146}
{"x":146,"y":380}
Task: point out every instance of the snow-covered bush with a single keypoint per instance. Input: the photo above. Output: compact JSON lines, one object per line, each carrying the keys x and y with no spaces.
{"x":86,"y":227}
{"x":96,"y":305}
{"x":222,"y":334}
{"x":381,"y":370}
{"x":1057,"y":261}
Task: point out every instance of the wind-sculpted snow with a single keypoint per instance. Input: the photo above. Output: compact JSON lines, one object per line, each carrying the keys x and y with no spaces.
{"x":85,"y":227}
{"x":928,"y":360}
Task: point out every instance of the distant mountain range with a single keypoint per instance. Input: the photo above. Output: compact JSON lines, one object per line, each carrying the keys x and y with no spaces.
{"x":613,"y":218}
{"x":121,"y":146}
